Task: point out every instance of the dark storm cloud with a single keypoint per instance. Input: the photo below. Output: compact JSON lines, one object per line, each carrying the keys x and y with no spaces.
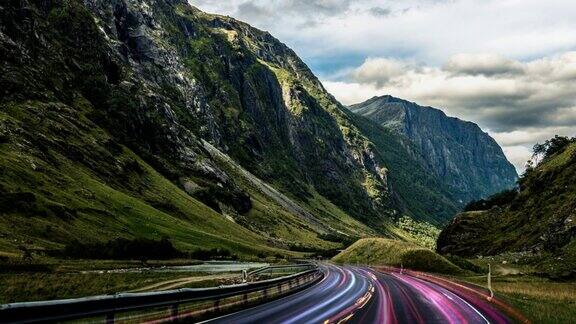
{"x":483,"y":64}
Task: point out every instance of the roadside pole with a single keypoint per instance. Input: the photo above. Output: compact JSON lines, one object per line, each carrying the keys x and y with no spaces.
{"x":490,"y":282}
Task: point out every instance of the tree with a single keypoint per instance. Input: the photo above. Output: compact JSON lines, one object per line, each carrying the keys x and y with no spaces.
{"x":551,"y":147}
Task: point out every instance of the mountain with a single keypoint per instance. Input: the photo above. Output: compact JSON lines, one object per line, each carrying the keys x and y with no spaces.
{"x":537,"y":222}
{"x":467,"y":160}
{"x":151,"y":118}
{"x":414,"y":190}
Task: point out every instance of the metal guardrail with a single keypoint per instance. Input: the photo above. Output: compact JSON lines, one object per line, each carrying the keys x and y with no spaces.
{"x":109,"y":305}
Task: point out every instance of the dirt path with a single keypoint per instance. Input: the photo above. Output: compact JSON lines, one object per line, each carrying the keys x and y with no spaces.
{"x":505,"y":270}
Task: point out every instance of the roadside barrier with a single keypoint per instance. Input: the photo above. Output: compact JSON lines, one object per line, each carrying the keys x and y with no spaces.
{"x":161,"y":306}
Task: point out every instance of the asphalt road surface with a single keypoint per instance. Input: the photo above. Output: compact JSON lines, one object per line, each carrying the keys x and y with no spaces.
{"x":365,"y":295}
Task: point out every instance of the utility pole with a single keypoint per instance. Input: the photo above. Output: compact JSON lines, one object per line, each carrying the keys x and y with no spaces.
{"x":490,"y":282}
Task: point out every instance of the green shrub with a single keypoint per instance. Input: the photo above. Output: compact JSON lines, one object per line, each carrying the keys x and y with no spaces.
{"x":422,"y":233}
{"x":500,"y":199}
{"x":123,"y":249}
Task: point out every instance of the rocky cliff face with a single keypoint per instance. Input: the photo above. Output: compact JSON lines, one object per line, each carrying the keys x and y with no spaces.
{"x":468,"y":160}
{"x":152,"y":118}
{"x":252,"y":97}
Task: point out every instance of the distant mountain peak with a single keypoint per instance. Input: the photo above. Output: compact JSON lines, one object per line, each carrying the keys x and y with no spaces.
{"x":405,"y":104}
{"x":467,"y":158}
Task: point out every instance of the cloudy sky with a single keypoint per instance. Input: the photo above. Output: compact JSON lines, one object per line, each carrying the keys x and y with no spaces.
{"x":508,"y":65}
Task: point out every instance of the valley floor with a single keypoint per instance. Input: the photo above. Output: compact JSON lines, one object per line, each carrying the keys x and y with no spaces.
{"x":57,"y":279}
{"x":539,"y":299}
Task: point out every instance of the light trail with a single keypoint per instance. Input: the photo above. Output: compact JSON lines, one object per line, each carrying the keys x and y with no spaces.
{"x":364,"y":295}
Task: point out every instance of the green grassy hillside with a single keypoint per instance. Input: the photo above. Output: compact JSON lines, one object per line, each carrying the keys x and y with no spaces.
{"x":379,"y":251}
{"x":537,"y":222}
{"x":103,"y":139}
{"x":102,"y":192}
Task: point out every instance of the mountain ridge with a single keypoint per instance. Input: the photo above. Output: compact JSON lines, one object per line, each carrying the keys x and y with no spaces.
{"x":458,"y":151}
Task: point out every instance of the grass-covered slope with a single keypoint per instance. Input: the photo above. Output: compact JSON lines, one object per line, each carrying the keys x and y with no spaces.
{"x":539,"y":220}
{"x":82,"y":186}
{"x":101,"y":134}
{"x":131,"y":119}
{"x":379,"y":251}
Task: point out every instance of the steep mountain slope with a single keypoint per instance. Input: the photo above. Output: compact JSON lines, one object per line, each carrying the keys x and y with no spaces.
{"x":413,"y":188}
{"x":539,"y":220}
{"x":103,"y":107}
{"x":150,"y":118}
{"x":467,"y":160}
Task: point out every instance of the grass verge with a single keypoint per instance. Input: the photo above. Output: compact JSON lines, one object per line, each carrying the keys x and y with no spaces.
{"x":539,"y":299}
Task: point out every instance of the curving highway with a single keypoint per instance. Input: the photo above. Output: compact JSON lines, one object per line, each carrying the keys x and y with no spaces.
{"x":366,"y":295}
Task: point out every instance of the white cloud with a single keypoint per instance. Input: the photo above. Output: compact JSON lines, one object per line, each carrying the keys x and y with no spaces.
{"x":351,"y":93}
{"x":518,"y":155}
{"x":380,"y":70}
{"x":422,"y":30}
{"x":519,"y":103}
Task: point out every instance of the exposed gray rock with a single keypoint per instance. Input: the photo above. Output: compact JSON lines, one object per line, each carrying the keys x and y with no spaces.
{"x":467,"y":159}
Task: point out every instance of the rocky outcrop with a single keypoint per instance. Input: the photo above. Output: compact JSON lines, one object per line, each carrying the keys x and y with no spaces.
{"x":464,"y":157}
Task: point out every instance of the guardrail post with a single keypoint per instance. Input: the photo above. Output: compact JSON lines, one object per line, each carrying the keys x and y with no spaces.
{"x":174,"y":312}
{"x":245,"y":298}
{"x":110,"y":318}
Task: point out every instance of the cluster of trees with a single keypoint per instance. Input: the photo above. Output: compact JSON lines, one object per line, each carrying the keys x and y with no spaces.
{"x":124,"y":249}
{"x":541,"y":152}
{"x":551,"y":147}
{"x":315,"y":252}
{"x":425,"y":234}
{"x":343,"y":239}
{"x":500,"y":199}
{"x":140,"y":249}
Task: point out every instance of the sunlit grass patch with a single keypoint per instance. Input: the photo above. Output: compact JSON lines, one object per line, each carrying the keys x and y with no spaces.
{"x":380,"y":251}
